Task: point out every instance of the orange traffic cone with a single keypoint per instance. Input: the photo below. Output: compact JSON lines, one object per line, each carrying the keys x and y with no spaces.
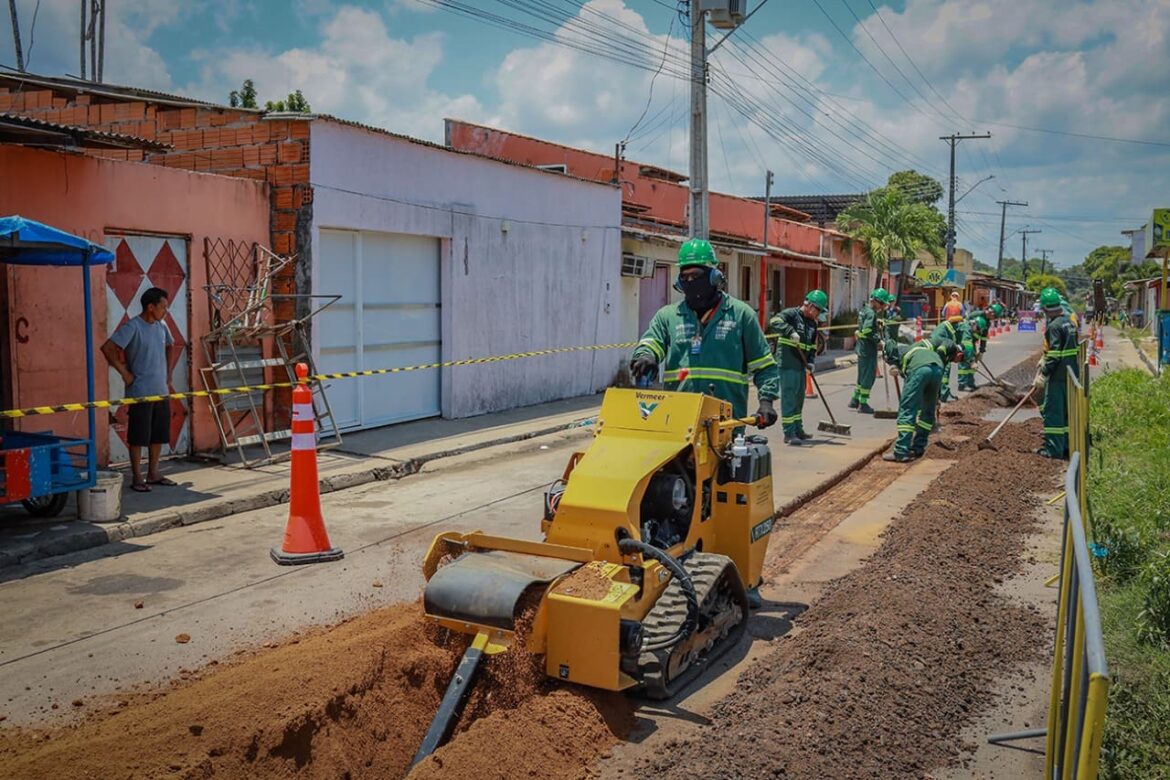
{"x":1099,"y":341}
{"x":1092,"y":357}
{"x":809,"y":390}
{"x":305,"y":538}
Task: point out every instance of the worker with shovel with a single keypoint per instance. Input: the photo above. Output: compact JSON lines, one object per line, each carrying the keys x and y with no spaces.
{"x":921,"y":364}
{"x":796,"y":346}
{"x":709,"y":340}
{"x":869,"y":337}
{"x":978,"y":326}
{"x":1060,"y":339}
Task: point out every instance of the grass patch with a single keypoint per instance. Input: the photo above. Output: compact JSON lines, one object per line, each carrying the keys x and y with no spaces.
{"x":1129,"y":497}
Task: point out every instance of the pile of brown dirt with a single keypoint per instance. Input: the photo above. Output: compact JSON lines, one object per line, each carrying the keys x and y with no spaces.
{"x":882,"y":672}
{"x":352,"y":700}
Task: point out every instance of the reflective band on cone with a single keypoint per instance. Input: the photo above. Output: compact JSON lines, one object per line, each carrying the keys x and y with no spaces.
{"x":305,"y":537}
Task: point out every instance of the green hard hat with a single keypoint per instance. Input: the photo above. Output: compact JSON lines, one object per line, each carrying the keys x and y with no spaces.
{"x":1050,"y":298}
{"x":878,"y":295}
{"x":887,"y":296}
{"x":696,"y":251}
{"x":981,"y":324}
{"x":819,"y":299}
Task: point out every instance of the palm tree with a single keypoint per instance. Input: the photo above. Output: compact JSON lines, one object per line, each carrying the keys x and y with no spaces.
{"x":889,"y":225}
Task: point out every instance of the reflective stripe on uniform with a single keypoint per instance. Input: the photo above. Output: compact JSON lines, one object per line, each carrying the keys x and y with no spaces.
{"x":1058,"y":431}
{"x":795,"y":344}
{"x":763,"y":362}
{"x":654,"y":347}
{"x":794,"y":418}
{"x":719,"y":374}
{"x":925,"y":425}
{"x":906,"y":428}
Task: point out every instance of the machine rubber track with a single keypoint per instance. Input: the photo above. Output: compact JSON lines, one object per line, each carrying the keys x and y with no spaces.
{"x":723,"y":615}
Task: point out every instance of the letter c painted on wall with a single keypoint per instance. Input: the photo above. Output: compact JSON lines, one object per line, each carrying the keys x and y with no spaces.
{"x":21,"y":330}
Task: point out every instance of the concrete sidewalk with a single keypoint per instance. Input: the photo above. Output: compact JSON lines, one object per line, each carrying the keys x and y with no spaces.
{"x":207,"y":491}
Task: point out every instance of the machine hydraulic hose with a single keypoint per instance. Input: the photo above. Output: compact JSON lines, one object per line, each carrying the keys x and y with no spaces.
{"x":629,"y":546}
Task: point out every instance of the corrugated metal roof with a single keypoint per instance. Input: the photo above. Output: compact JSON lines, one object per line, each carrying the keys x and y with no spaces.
{"x":111,"y":90}
{"x":83,"y":136}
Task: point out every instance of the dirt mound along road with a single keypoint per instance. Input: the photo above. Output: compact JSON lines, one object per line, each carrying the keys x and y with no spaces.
{"x":882,"y":672}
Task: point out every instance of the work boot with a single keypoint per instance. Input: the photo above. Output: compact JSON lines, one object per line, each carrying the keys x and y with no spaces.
{"x":1043,"y":453}
{"x":865,"y":409}
{"x":804,"y":435}
{"x":916,"y":454}
{"x":853,"y":403}
{"x":893,"y":457}
{"x":793,"y":441}
{"x":755,"y":601}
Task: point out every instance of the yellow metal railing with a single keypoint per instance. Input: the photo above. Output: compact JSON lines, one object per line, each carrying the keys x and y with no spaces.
{"x":1080,"y":674}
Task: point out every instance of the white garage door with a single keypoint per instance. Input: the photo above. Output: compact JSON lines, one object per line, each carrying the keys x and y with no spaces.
{"x":388,"y":316}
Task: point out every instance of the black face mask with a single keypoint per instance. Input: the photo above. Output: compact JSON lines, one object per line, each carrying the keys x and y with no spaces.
{"x":701,"y":295}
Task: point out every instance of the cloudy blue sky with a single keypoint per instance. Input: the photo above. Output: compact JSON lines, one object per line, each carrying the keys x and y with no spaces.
{"x":832,"y":95}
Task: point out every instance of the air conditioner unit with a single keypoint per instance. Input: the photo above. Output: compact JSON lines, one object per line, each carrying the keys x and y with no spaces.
{"x":724,"y":14}
{"x":637,"y":265}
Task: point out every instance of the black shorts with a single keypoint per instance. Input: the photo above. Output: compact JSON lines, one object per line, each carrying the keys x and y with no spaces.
{"x":150,"y":423}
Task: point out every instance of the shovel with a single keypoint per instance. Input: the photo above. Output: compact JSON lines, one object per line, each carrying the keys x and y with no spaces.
{"x":887,"y":413}
{"x":824,"y":426}
{"x":987,"y":444}
{"x":1007,"y":387}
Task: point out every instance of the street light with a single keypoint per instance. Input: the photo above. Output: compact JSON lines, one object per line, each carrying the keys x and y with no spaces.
{"x":973,"y":186}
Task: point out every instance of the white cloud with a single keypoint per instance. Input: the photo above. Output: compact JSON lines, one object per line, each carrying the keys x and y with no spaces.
{"x":356,"y":71}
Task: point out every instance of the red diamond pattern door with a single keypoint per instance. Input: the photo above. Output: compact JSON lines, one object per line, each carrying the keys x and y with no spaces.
{"x":142,"y":262}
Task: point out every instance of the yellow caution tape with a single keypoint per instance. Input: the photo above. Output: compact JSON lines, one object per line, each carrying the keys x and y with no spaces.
{"x":82,"y":406}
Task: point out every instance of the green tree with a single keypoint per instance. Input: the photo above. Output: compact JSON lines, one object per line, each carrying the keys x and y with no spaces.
{"x":245,"y":96}
{"x":1037,"y":282}
{"x":1112,"y":265}
{"x":917,"y":187}
{"x":295,"y":103}
{"x":889,"y":225}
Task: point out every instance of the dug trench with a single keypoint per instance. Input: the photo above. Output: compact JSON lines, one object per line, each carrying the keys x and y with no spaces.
{"x":876,"y":679}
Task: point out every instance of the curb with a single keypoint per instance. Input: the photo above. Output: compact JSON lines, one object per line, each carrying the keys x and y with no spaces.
{"x":88,"y":537}
{"x":813,"y":493}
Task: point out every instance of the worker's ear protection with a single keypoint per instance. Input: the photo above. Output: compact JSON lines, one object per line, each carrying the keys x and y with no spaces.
{"x":715,"y":277}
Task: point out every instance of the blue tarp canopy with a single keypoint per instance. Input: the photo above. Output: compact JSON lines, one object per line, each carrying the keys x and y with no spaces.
{"x":24,"y":242}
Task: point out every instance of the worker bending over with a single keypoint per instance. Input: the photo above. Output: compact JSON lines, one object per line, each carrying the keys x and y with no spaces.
{"x":796,"y":346}
{"x":978,"y":326}
{"x":921,"y":365}
{"x":709,"y":340}
{"x":948,"y":334}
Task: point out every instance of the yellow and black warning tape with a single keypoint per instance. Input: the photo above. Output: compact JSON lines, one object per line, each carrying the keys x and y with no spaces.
{"x":110,"y":404}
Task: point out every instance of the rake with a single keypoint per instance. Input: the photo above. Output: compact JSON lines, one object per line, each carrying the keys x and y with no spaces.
{"x":1007,"y":387}
{"x":988,"y":444}
{"x":887,"y":413}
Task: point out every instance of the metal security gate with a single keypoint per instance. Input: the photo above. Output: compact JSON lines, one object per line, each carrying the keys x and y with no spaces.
{"x":388,"y":316}
{"x":142,"y":262}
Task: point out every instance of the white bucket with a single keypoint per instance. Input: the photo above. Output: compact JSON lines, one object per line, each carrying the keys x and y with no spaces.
{"x":101,"y":503}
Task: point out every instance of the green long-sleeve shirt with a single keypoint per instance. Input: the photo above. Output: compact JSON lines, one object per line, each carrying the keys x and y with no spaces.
{"x":724,"y":353}
{"x":949,"y":335}
{"x":1060,"y":351}
{"x":868,"y":333}
{"x":907,"y":357}
{"x":794,"y":331}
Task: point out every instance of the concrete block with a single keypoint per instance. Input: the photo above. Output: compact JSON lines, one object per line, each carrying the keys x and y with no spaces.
{"x":154,"y":524}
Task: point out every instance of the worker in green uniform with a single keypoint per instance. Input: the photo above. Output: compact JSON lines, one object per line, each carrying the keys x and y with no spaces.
{"x":709,"y":340}
{"x":921,"y":365}
{"x":796,"y":347}
{"x":891,"y":319}
{"x":948,"y":334}
{"x":997,"y":310}
{"x":977,"y":325}
{"x":869,"y":337}
{"x":1060,"y":354}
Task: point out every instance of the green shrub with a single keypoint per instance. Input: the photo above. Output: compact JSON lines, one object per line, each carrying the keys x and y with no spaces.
{"x":1153,"y":623}
{"x":1122,"y":550}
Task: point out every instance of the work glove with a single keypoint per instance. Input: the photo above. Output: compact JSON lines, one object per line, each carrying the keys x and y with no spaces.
{"x":1040,"y":382}
{"x":766,"y":414}
{"x":644,"y":365}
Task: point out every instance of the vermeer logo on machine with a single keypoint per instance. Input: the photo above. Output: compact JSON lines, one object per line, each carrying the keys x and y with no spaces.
{"x":760,"y":530}
{"x":648,"y":402}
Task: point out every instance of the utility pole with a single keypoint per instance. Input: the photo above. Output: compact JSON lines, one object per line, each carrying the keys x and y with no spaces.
{"x":1044,"y":253}
{"x":1002,"y":222}
{"x":82,"y":39}
{"x":16,"y":36}
{"x":1024,"y":253}
{"x":953,"y":140}
{"x":764,"y":257}
{"x":700,"y":223}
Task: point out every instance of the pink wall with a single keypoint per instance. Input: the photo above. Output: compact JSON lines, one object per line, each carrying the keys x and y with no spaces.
{"x":88,"y":196}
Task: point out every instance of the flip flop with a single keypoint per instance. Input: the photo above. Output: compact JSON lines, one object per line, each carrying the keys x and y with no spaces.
{"x":165,"y":481}
{"x":140,"y":487}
